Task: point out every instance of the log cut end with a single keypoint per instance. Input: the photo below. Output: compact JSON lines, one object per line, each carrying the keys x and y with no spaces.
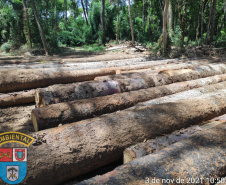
{"x":175,"y":72}
{"x":128,"y":155}
{"x":39,"y":100}
{"x":34,"y":121}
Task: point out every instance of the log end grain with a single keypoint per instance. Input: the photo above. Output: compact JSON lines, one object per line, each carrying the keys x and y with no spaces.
{"x":34,"y":121}
{"x":39,"y":100}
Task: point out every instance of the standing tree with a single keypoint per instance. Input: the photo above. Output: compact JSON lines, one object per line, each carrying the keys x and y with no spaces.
{"x":117,"y":29}
{"x":213,"y":15}
{"x":84,"y":11}
{"x":131,"y":24}
{"x":39,"y":27}
{"x":103,"y":21}
{"x":165,"y":27}
{"x":27,"y":31}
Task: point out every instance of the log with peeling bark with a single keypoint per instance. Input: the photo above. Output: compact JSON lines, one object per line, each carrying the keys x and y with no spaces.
{"x":154,"y":145}
{"x":199,"y":159}
{"x":123,"y":83}
{"x":14,"y":80}
{"x":17,"y":98}
{"x":62,"y":113}
{"x":204,"y":71}
{"x":81,"y":147}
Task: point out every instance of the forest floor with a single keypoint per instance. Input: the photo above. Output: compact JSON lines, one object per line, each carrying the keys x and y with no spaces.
{"x":18,"y":118}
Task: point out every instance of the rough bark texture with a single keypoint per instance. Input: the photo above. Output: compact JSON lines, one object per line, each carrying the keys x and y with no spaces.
{"x":212,"y":31}
{"x":199,"y":72}
{"x":103,"y":21}
{"x":28,"y":79}
{"x":122,"y":83}
{"x":200,"y":158}
{"x":74,"y":149}
{"x":17,"y":98}
{"x":53,"y":115}
{"x":154,"y":145}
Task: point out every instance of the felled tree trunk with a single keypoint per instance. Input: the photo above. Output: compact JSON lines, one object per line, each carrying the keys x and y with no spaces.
{"x":53,"y":115}
{"x":17,"y":98}
{"x":28,"y":79}
{"x":154,"y":145}
{"x":121,"y":83}
{"x":199,"y":159}
{"x":78,"y":148}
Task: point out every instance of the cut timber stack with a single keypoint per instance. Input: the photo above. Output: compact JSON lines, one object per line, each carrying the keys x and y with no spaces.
{"x":199,"y":159}
{"x":78,"y":148}
{"x":53,"y":115}
{"x":89,"y":90}
{"x":123,"y":83}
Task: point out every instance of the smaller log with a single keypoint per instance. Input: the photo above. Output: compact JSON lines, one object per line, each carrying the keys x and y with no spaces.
{"x":200,"y":159}
{"x":154,"y":145}
{"x":62,"y":113}
{"x":17,"y":98}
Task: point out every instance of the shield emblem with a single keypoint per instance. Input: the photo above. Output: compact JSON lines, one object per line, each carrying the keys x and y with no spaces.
{"x":13,"y":165}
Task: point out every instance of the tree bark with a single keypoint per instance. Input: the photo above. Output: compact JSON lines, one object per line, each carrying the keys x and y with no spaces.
{"x":131,"y":23}
{"x":103,"y":21}
{"x":122,"y":83}
{"x":202,"y":21}
{"x":208,"y":25}
{"x":201,"y":155}
{"x":117,"y":29}
{"x":165,"y":27}
{"x":87,"y":145}
{"x":27,"y":31}
{"x":154,"y":145}
{"x":199,"y":72}
{"x":199,"y":20}
{"x":62,"y":113}
{"x":170,"y":17}
{"x":212,"y":30}
{"x":17,"y":98}
{"x":39,"y":27}
{"x":28,"y":79}
{"x":84,"y":11}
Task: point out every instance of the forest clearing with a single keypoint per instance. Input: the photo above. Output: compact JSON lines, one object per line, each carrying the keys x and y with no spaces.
{"x":126,"y":92}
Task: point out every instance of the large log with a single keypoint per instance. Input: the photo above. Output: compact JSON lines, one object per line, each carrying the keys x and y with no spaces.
{"x":122,"y":83}
{"x":61,"y":113}
{"x":17,"y":98}
{"x":204,"y":71}
{"x":78,"y":148}
{"x":13,"y":80}
{"x":154,"y":145}
{"x":199,"y":159}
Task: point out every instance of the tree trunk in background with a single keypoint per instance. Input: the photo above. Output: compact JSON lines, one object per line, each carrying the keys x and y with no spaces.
{"x":170,"y":17}
{"x":202,"y":21}
{"x":183,"y":21}
{"x":165,"y":27}
{"x":117,"y":31}
{"x":103,"y":21}
{"x":84,"y":11}
{"x":39,"y":27}
{"x":131,"y":24}
{"x":54,"y":23}
{"x":213,"y":15}
{"x":208,"y":26}
{"x":143,"y":17}
{"x":86,"y":4}
{"x":199,"y":21}
{"x":27,"y":31}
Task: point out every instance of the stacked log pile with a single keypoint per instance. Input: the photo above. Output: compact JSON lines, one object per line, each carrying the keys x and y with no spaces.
{"x":109,"y":110}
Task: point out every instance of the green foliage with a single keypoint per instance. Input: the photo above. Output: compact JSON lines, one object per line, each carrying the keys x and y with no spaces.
{"x":93,"y":48}
{"x":6,"y":47}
